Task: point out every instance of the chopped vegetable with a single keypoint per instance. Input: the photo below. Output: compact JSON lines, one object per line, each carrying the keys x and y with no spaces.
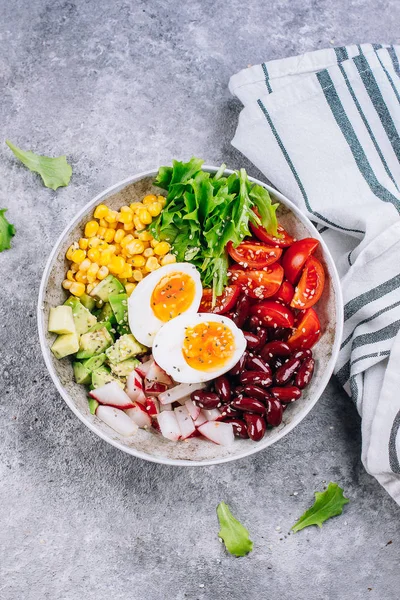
{"x":7,"y":231}
{"x":55,"y":172}
{"x":327,"y":504}
{"x":232,"y":532}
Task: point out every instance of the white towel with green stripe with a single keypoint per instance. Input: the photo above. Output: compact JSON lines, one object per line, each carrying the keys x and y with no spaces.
{"x":324,"y":128}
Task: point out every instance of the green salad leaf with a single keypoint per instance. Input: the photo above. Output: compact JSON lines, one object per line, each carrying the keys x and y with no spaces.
{"x":327,"y":504}
{"x":7,"y":231}
{"x":55,"y":172}
{"x":232,"y":532}
{"x":204,"y":212}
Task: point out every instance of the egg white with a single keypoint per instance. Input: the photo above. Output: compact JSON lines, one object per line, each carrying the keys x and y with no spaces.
{"x":168,"y":345}
{"x":143,"y":322}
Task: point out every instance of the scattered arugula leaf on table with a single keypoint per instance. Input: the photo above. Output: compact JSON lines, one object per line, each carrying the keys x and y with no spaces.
{"x":55,"y":172}
{"x":232,"y":532}
{"x":327,"y":504}
{"x":7,"y":231}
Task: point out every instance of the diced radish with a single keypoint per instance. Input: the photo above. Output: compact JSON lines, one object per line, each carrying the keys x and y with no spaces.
{"x":134,"y":387}
{"x":192,"y":409}
{"x":139,"y":415}
{"x":185,"y":421}
{"x":212,"y":415}
{"x":154,"y":387}
{"x":179,"y":391}
{"x":152,"y":406}
{"x":164,"y":407}
{"x":169,"y":425}
{"x":112,"y":395}
{"x":200,"y":419}
{"x":143,"y":368}
{"x":117,"y":420}
{"x":219,"y":433}
{"x":156,"y":373}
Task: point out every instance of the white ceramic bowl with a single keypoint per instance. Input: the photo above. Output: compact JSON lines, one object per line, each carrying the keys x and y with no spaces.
{"x":194,"y":451}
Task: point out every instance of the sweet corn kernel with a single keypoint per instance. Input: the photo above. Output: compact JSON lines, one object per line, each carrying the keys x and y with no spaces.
{"x":154,"y":243}
{"x":145,"y":236}
{"x":70,"y":275}
{"x":117,"y":265}
{"x":71,"y":250}
{"x":162,"y":248}
{"x":92,"y":271}
{"x":74,"y":268}
{"x":94,"y":242}
{"x":102,"y":273}
{"x":117,"y":249}
{"x":123,"y":281}
{"x":90,"y":286}
{"x":100,"y":211}
{"x":125,"y":209}
{"x":101,"y":232}
{"x":112,"y":248}
{"x":112,"y":216}
{"x":137,"y":275}
{"x":145,"y":216}
{"x":129,"y":288}
{"x":103,"y":223}
{"x":128,"y":226}
{"x":135,"y":247}
{"x":126,"y":217}
{"x":85,"y":264}
{"x":154,"y":209}
{"x":105,"y":257}
{"x":135,"y":206}
{"x":109,"y":235}
{"x":78,"y":256}
{"x":126,"y":240}
{"x":113,"y":225}
{"x":127,"y":272}
{"x":119,"y":236}
{"x":124,"y":252}
{"x":162,"y":200}
{"x":66,"y":284}
{"x":93,"y":254}
{"x":149,"y":199}
{"x":103,"y":245}
{"x":91,"y":228}
{"x":148,"y":252}
{"x":137,"y":261}
{"x":168,"y":259}
{"x":83,"y":243}
{"x":77,"y":289}
{"x":138,"y":223}
{"x":81,"y":277}
{"x":152,"y":264}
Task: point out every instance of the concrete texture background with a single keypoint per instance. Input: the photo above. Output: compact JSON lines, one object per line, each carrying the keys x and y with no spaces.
{"x":121,"y":87}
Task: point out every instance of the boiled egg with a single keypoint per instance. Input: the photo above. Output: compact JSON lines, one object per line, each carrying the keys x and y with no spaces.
{"x":164,"y":294}
{"x":198,"y":347}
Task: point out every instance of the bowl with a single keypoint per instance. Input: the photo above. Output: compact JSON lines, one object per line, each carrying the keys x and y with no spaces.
{"x":194,"y":451}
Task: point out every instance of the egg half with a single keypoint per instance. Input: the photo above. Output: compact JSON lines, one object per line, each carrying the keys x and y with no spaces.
{"x":164,"y":294}
{"x":198,"y":347}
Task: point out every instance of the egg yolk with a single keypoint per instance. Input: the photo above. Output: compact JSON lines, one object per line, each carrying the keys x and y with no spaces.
{"x":208,"y":346}
{"x":172,"y":296}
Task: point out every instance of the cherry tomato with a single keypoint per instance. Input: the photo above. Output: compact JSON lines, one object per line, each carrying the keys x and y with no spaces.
{"x":310,"y":286}
{"x":283,"y":241}
{"x":224,"y":303}
{"x":285,"y":293}
{"x":308,"y":331}
{"x":258,"y":284}
{"x":295,"y":257}
{"x":254,"y":255}
{"x":273,"y":314}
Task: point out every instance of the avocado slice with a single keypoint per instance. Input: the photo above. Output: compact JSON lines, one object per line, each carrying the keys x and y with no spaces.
{"x":61,"y":320}
{"x":102,"y":375}
{"x":93,"y":404}
{"x":109,"y":286}
{"x":81,"y":373}
{"x":119,"y":305}
{"x":65,"y":344}
{"x":83,"y":319}
{"x":95,"y":362}
{"x":88,"y":302}
{"x":94,"y":342}
{"x":125,"y":347}
{"x":125,"y":367}
{"x":106,"y":314}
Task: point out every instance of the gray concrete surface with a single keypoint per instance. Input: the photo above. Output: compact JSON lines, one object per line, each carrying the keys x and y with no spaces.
{"x":120,"y":87}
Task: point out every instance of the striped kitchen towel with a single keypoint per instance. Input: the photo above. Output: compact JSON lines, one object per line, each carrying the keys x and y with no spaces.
{"x":324,"y":128}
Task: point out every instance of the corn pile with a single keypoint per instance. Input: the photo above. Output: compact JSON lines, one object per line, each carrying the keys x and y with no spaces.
{"x":117,"y":243}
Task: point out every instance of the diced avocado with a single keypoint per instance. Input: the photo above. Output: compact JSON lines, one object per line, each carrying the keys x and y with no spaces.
{"x":110,"y":285}
{"x":106,"y":314}
{"x":100,"y":325}
{"x":119,"y":305}
{"x":93,"y":404}
{"x":61,"y":320}
{"x":65,"y":344}
{"x":125,"y":347}
{"x":102,"y":375}
{"x":83,"y":319}
{"x":81,"y":373}
{"x":125,"y":367}
{"x":94,"y":342}
{"x":95,"y":362}
{"x":88,"y":302}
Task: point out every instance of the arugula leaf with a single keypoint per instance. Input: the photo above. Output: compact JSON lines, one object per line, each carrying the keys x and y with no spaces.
{"x":261,"y":198}
{"x":327,"y":504}
{"x":55,"y":172}
{"x":235,"y":535}
{"x":7,"y":231}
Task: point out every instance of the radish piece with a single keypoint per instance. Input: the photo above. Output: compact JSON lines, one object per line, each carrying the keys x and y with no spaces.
{"x":154,"y":387}
{"x":112,"y":395}
{"x":117,"y":420}
{"x":179,"y":391}
{"x":143,"y":368}
{"x":212,"y":415}
{"x":156,"y":373}
{"x":139,"y":415}
{"x":165,"y":407}
{"x":185,"y":421}
{"x":169,"y":425}
{"x":200,"y":419}
{"x":219,"y":433}
{"x":134,"y":387}
{"x":192,"y":409}
{"x":152,"y":406}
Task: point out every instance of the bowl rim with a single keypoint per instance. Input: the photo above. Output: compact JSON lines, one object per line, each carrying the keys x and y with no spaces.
{"x":186,"y":462}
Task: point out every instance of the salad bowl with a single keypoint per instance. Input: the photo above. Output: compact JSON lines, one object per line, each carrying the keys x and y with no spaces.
{"x":192,"y":451}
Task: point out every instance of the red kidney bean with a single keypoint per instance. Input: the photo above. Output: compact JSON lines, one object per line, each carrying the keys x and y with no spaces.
{"x":280,"y":333}
{"x":239,"y":427}
{"x":239,"y":367}
{"x":256,"y":377}
{"x":223,"y":388}
{"x":285,"y":373}
{"x":241,"y":310}
{"x":274,"y":412}
{"x":254,"y":323}
{"x":262,"y":335}
{"x":275,"y":348}
{"x":255,"y":363}
{"x":290,"y":393}
{"x":303,"y":354}
{"x":256,"y":426}
{"x":207,"y":400}
{"x":256,"y":392}
{"x":230,"y":411}
{"x":249,"y":405}
{"x":239,"y":389}
{"x":305,"y":373}
{"x":253,"y":341}
{"x":275,"y":363}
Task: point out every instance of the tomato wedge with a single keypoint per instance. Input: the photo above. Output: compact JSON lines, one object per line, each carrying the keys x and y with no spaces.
{"x":224,"y":303}
{"x":254,"y":255}
{"x":273,"y":314}
{"x":310,"y":286}
{"x":258,"y":284}
{"x":295,"y":257}
{"x":285,"y":292}
{"x":308,"y":331}
{"x":284,"y":241}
